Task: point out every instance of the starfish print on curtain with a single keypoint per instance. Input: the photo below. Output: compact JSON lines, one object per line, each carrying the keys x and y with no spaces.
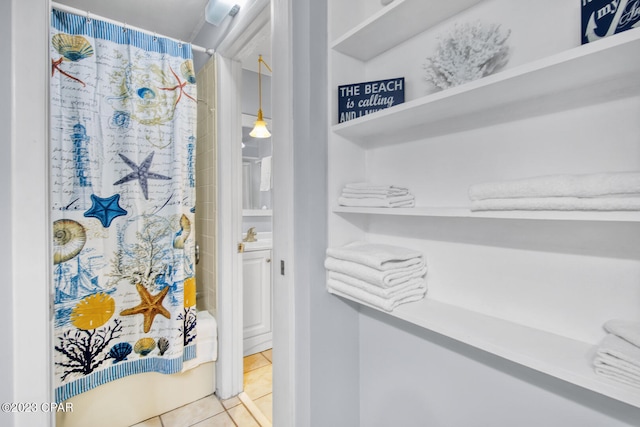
{"x":180,"y":86}
{"x":141,"y":173}
{"x":105,"y":209}
{"x":149,"y":306}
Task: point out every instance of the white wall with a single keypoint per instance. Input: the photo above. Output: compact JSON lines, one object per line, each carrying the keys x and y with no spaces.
{"x":261,"y":223}
{"x":250,"y":93}
{"x":6,"y":309}
{"x":29,"y":228}
{"x":326,"y":328}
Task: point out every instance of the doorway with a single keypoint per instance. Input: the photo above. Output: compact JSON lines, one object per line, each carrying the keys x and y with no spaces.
{"x":245,"y":203}
{"x":30,"y":374}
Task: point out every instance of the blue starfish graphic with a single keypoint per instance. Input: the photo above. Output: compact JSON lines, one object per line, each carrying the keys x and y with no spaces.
{"x":105,"y":209}
{"x":141,"y":173}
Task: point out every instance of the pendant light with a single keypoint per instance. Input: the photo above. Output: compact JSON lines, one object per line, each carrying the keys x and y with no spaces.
{"x":260,"y":126}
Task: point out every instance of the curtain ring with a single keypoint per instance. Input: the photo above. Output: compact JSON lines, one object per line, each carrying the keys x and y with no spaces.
{"x":179,"y":44}
{"x":155,"y":37}
{"x":124,"y":28}
{"x":88,"y":17}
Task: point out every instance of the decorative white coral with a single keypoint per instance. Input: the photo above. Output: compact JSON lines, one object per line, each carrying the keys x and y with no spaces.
{"x":469,"y":52}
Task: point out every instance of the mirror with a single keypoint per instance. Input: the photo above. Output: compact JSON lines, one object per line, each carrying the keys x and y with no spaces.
{"x":256,"y":168}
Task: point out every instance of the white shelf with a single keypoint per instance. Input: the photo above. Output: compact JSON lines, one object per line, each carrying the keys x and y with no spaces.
{"x":552,"y":354}
{"x":595,"y":72}
{"x":463,"y":212}
{"x":257,"y":212}
{"x":397,"y":22}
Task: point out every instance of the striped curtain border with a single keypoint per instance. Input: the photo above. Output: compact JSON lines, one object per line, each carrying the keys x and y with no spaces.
{"x":120,"y":370}
{"x":80,"y":25}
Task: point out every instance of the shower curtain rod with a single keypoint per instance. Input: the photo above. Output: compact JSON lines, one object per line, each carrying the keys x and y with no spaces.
{"x":79,"y":12}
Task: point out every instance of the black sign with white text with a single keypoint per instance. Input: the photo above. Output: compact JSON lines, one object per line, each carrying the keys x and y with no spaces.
{"x":356,"y":100}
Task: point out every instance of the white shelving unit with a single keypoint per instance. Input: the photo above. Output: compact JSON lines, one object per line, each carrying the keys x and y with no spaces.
{"x":596,"y":73}
{"x":586,"y":74}
{"x":551,"y":354}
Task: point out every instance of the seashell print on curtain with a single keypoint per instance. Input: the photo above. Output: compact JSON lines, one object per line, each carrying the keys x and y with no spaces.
{"x":123,"y":126}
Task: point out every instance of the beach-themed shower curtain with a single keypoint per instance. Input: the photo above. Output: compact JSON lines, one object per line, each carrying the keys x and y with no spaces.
{"x":123,"y":127}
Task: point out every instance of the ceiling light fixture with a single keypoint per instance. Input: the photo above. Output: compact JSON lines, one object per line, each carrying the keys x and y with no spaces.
{"x":217,"y":10}
{"x":260,"y":126}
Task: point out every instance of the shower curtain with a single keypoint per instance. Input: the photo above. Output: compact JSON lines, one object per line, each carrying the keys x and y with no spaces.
{"x":123,"y":125}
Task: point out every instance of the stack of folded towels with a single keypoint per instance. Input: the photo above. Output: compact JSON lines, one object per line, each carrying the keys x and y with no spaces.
{"x":618,"y":356}
{"x":363,"y":194}
{"x":619,"y":191}
{"x":382,"y":276}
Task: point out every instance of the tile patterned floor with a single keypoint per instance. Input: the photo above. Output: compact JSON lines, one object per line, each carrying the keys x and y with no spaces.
{"x":258,"y":376}
{"x":211,"y":412}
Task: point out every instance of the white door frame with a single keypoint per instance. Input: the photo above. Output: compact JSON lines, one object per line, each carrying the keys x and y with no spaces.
{"x":229,"y":368}
{"x":285,"y":397}
{"x":287,"y":400}
{"x":30,"y":331}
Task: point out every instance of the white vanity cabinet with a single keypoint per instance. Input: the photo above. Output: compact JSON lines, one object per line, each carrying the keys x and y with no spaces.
{"x":257,"y":301}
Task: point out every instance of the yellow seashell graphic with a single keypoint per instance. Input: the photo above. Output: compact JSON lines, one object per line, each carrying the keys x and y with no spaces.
{"x":185,"y":230}
{"x":69,"y":237}
{"x":93,"y":311}
{"x":189,"y":292}
{"x":72,"y":47}
{"x":144,"y":346}
{"x":188,"y":72}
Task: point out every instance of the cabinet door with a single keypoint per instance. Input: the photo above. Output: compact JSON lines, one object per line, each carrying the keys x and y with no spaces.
{"x":256,"y":272}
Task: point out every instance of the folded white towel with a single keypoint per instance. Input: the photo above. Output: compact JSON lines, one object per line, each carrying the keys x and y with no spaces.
{"x":373,"y":203}
{"x":587,"y":185}
{"x":625,"y":354}
{"x":616,"y":374}
{"x":376,"y":255}
{"x":388,"y":192}
{"x":373,"y":187}
{"x":354,"y":192}
{"x":619,"y":360}
{"x":383,"y":279}
{"x":625,"y":329}
{"x":388,"y":293}
{"x":370,"y":195}
{"x":265,"y":174}
{"x":558,"y":204}
{"x":387,"y":304}
{"x":388,"y":202}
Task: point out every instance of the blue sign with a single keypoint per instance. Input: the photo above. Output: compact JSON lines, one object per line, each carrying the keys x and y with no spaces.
{"x":603,"y":18}
{"x":357,"y":100}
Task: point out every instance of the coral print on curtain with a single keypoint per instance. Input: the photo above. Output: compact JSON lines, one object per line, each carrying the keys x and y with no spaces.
{"x":123,"y":117}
